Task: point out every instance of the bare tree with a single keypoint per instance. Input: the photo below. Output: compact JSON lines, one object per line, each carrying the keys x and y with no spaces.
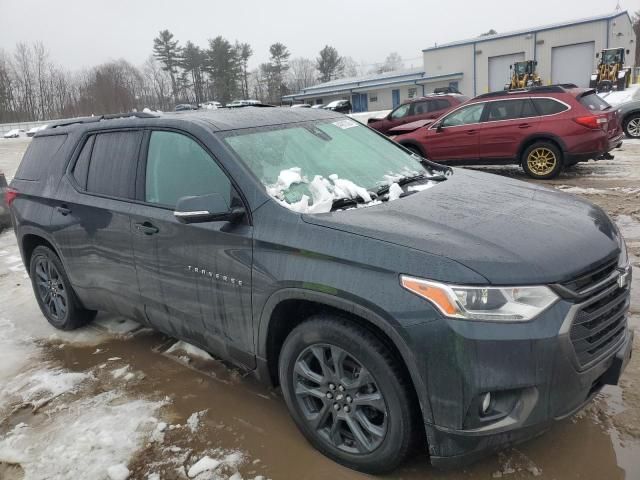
{"x":302,"y":74}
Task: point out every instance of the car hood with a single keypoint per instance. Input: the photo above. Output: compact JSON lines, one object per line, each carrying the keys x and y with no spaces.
{"x":410,"y":127}
{"x":508,"y":231}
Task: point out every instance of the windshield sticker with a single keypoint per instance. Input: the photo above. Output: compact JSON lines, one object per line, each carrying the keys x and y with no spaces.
{"x":344,"y":124}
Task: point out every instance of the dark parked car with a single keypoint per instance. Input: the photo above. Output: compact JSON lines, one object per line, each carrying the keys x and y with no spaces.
{"x":429,"y":107}
{"x":394,"y":300}
{"x":544,"y":129}
{"x":340,"y":106}
{"x":185,"y":106}
{"x":630,"y":118}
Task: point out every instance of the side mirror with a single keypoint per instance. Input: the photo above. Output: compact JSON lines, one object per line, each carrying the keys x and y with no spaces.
{"x":438,"y":126}
{"x":598,"y":55}
{"x":510,"y":67}
{"x":628,"y":51}
{"x":206,"y":208}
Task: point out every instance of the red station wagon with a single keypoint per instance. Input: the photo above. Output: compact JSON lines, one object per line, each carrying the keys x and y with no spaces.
{"x":422,"y":108}
{"x":544,"y":129}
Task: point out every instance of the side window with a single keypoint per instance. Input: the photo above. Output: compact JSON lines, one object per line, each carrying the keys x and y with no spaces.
{"x":420,"y":108}
{"x":400,"y":112}
{"x":178,"y":167}
{"x":81,"y":168}
{"x":464,"y":116}
{"x":528,"y":110}
{"x":38,"y":157}
{"x":548,"y":106}
{"x":440,"y":104}
{"x":503,"y":110}
{"x":112,"y":170}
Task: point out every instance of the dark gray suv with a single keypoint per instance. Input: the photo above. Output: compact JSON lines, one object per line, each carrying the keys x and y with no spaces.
{"x":395,"y":301}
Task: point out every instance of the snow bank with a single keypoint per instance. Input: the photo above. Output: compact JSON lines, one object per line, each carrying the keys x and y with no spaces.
{"x":191,"y":350}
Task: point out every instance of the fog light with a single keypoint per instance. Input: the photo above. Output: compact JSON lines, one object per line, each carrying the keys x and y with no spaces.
{"x":486,"y":403}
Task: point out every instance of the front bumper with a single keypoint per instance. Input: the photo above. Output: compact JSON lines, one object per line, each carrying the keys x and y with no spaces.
{"x":451,"y":448}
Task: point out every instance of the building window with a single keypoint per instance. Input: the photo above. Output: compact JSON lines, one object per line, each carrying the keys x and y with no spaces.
{"x":373,"y":98}
{"x":413,"y":92}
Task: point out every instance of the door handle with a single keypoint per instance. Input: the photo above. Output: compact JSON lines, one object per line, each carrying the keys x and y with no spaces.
{"x":147,"y":228}
{"x":63,"y":210}
{"x":471,"y":132}
{"x":524,"y":125}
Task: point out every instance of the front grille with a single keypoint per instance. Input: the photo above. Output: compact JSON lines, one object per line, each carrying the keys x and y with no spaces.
{"x":600,"y":321}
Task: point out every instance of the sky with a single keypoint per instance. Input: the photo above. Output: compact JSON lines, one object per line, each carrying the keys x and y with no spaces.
{"x":83,"y":33}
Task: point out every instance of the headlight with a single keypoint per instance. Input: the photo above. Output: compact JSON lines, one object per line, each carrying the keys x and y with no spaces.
{"x":623,"y":261}
{"x":508,"y":304}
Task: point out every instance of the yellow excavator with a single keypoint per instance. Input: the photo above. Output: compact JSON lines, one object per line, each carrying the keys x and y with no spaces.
{"x":611,"y":74}
{"x":523,"y":75}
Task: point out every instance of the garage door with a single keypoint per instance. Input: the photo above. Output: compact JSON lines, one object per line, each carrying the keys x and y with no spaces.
{"x":573,"y":63}
{"x":499,"y":73}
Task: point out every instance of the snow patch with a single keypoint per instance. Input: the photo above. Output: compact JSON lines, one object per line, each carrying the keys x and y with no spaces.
{"x":191,"y":350}
{"x":395,"y":191}
{"x":119,"y":372}
{"x":193,"y":422}
{"x":118,"y":472}
{"x":205,"y":464}
{"x":83,"y":441}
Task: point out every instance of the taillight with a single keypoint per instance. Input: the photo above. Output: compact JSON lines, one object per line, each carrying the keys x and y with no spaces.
{"x":10,"y":195}
{"x":592,"y":121}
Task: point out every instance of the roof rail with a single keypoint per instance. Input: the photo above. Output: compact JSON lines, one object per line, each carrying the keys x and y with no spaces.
{"x":97,"y":118}
{"x":556,"y":88}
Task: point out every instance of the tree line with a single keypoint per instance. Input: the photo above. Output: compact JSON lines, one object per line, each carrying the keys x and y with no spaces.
{"x":33,"y":87}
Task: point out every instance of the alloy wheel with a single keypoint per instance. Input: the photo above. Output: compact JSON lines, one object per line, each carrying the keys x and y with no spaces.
{"x":633,"y":127}
{"x":340,"y":399}
{"x":541,"y":161}
{"x":51,"y":288}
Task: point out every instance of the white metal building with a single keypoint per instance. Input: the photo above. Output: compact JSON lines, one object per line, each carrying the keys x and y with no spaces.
{"x":565,"y":52}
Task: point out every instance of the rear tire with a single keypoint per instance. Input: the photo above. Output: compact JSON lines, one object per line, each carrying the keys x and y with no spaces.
{"x":54,"y":293}
{"x":542,"y":161}
{"x":355,"y":405}
{"x":631,"y":126}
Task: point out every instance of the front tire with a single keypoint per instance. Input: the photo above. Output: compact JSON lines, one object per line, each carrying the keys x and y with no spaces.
{"x":632,"y":126}
{"x":347,"y":394}
{"x":54,"y":293}
{"x":542,"y":161}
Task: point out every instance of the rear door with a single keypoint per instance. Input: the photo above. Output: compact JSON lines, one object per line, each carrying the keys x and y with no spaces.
{"x":457,"y":137}
{"x":195,"y":279}
{"x":92,"y":224}
{"x":505,"y":124}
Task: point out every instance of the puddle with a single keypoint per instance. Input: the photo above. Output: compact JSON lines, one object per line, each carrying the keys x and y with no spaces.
{"x":233,"y":412}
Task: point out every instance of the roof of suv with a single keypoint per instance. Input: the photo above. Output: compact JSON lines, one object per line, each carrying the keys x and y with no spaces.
{"x":569,"y":88}
{"x":216,"y":120}
{"x":430,"y":96}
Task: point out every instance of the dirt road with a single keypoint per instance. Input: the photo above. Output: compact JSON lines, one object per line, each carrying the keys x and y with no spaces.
{"x":115,"y":399}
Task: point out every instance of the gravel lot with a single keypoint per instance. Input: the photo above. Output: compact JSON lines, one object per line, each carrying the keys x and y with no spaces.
{"x":114,"y":398}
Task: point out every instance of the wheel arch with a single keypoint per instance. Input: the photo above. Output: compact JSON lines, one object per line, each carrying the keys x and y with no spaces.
{"x":32,"y":238}
{"x":626,"y":116}
{"x":414,"y":144}
{"x":276,"y":323}
{"x":541,"y":137}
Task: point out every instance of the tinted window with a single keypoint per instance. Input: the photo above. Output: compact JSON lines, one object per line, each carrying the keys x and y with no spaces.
{"x":178,"y":167}
{"x":440,"y":104}
{"x":81,"y":169}
{"x":464,"y":116}
{"x":401,"y":111}
{"x":548,"y":106}
{"x":38,"y":156}
{"x":420,"y":108}
{"x":593,"y":103}
{"x":528,"y":110}
{"x":112,"y":170}
{"x":508,"y":110}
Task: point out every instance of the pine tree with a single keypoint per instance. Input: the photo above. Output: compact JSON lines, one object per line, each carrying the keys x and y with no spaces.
{"x":329,"y":64}
{"x":278,"y":65}
{"x":167,"y":51}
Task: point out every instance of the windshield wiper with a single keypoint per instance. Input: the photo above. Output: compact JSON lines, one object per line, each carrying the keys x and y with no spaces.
{"x":410,"y":179}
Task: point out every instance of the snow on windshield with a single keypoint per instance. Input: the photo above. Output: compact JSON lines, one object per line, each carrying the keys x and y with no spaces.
{"x":323,"y":191}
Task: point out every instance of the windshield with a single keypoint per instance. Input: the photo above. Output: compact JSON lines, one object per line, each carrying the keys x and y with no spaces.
{"x":307,"y":166}
{"x":610,"y":57}
{"x":521,"y":68}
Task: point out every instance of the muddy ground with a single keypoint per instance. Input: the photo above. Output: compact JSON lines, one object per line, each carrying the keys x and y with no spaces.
{"x":114,"y":398}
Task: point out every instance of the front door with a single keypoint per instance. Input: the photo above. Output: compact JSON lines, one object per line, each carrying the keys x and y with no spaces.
{"x":395,"y":98}
{"x":457,"y":138}
{"x":195,"y":279}
{"x":359,"y":102}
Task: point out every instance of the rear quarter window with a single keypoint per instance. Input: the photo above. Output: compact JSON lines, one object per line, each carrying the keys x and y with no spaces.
{"x":38,"y":157}
{"x":593,"y":103}
{"x":549,"y":106}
